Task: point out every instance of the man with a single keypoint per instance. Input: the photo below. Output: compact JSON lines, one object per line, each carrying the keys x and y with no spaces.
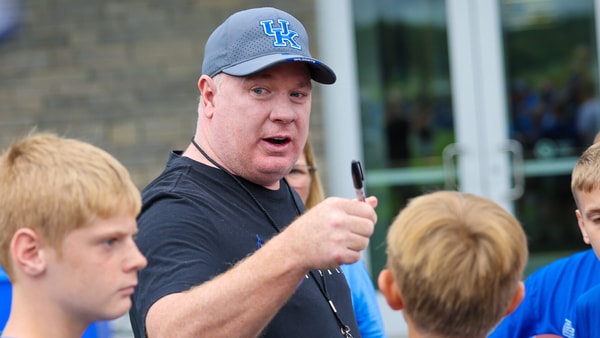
{"x":230,"y":252}
{"x":454,"y":265}
{"x":67,"y":220}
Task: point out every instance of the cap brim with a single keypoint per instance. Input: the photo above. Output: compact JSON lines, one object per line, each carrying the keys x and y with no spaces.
{"x":319,"y":71}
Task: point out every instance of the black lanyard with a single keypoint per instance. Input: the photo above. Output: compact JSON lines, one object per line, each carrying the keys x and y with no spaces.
{"x":344,"y":329}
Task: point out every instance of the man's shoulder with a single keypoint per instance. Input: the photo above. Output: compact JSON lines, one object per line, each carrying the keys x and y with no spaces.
{"x":182,"y":176}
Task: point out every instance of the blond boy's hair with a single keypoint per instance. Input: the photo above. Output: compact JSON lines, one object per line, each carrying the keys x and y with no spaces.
{"x":586,"y":173}
{"x":457,"y":260}
{"x":55,"y":185}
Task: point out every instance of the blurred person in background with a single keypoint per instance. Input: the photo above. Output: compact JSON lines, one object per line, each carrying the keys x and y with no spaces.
{"x":10,"y":17}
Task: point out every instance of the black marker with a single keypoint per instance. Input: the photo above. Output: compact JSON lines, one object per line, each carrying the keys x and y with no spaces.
{"x":358,"y":179}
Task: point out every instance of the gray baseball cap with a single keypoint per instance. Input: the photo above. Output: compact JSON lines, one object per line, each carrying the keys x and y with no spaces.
{"x":255,"y":39}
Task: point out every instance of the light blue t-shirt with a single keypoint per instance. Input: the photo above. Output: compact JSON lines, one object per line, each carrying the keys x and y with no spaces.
{"x":364,"y":300}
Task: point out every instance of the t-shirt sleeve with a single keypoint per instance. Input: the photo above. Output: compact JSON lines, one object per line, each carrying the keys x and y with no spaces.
{"x":180,"y":253}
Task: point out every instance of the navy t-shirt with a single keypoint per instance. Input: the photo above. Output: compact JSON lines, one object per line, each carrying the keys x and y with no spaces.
{"x":197,"y":222}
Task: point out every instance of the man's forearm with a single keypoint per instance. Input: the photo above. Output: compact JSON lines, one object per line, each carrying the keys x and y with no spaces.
{"x":238,"y":303}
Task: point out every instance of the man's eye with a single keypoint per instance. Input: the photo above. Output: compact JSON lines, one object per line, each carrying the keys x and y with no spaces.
{"x":110,"y":242}
{"x":259,"y":90}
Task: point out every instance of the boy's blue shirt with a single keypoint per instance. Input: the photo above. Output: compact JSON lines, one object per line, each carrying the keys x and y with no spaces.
{"x":550,"y":295}
{"x":587,"y":312}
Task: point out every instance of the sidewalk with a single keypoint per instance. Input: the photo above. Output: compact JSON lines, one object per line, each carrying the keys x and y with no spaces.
{"x":121,"y":327}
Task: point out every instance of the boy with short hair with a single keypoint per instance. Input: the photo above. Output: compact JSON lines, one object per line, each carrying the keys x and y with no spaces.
{"x":562,"y":290}
{"x":585,"y":186}
{"x":67,"y":220}
{"x":455,"y":263}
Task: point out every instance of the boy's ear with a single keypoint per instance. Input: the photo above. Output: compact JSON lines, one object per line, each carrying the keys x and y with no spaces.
{"x":516,"y":299}
{"x":26,"y":250}
{"x":389,"y":289}
{"x":581,"y":225}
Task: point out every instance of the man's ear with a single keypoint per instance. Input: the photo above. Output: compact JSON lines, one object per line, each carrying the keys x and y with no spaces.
{"x":389,"y":289}
{"x":516,"y":299}
{"x":581,"y":225}
{"x":26,"y":250}
{"x":208,"y":88}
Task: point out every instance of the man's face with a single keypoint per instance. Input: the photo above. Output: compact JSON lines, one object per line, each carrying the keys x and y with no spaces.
{"x":96,"y":273}
{"x":588,"y":218}
{"x":259,"y":123}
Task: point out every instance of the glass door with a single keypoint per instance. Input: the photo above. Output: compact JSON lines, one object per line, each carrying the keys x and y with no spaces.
{"x":479,"y":96}
{"x":405,"y":103}
{"x":551,"y":63}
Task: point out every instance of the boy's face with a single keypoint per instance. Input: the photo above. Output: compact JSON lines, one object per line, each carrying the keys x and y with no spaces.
{"x":588,"y":218}
{"x":97,"y":271}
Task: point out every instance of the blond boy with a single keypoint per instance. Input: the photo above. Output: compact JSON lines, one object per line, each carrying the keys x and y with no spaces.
{"x":585,"y":186}
{"x":67,"y":220}
{"x":455,"y":263}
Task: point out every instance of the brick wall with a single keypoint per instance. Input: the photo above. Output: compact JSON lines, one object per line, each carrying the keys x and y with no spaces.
{"x":119,"y":74}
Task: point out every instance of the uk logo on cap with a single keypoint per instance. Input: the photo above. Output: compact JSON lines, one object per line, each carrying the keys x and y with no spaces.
{"x":255,"y":39}
{"x":283,"y":36}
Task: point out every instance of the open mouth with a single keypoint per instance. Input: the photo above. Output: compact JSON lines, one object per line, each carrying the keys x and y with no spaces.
{"x":278,"y":140}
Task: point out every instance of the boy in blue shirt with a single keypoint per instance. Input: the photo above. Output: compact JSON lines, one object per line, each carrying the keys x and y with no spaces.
{"x":585,"y":186}
{"x":552,"y":291}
